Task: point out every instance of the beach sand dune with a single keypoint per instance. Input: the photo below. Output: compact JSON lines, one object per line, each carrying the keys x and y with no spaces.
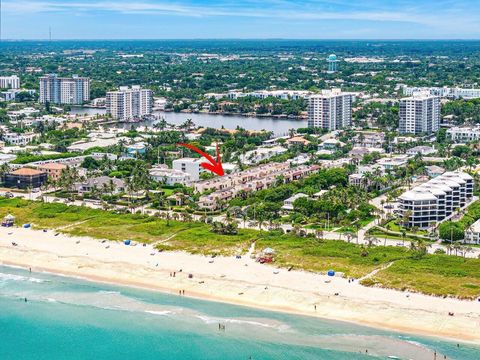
{"x":240,"y":281}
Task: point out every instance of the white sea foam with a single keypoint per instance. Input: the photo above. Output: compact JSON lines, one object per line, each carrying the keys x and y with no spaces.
{"x":161,"y":313}
{"x":12,"y":277}
{"x":107,"y":292}
{"x":210,"y":320}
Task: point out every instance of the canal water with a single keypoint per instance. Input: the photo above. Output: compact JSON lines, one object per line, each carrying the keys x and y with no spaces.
{"x":278,"y":126}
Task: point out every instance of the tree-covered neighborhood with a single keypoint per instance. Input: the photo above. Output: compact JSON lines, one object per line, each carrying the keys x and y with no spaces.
{"x":369,"y":156}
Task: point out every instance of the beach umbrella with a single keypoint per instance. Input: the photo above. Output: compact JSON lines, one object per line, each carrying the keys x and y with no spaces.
{"x":269,"y":251}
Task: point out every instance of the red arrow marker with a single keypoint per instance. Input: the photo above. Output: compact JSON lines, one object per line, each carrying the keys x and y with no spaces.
{"x":214,"y":166}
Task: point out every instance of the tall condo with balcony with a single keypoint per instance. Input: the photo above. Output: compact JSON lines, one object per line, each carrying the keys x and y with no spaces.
{"x":62,"y":90}
{"x":129,"y":103}
{"x":419,"y":114}
{"x":9,"y":82}
{"x":330,"y":110}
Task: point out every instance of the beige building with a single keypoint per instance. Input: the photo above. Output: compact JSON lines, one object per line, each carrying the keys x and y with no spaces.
{"x":53,"y":170}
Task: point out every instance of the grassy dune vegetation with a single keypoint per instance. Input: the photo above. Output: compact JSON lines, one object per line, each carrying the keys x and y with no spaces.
{"x":406,"y":270}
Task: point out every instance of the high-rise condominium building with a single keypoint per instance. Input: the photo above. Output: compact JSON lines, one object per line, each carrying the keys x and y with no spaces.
{"x":129,"y":103}
{"x":436,"y":199}
{"x":331,"y":110}
{"x":9,"y":82}
{"x":419,"y":114}
{"x":60,"y":90}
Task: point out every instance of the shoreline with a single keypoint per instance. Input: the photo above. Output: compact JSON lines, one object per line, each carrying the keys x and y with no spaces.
{"x":241,"y":282}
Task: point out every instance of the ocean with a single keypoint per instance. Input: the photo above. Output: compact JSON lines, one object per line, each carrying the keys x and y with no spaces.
{"x":45,"y":316}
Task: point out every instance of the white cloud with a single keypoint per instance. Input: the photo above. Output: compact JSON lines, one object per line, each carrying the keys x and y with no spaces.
{"x":411,"y":12}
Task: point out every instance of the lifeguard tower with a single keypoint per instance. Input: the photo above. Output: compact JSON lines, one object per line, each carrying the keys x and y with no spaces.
{"x":8,"y":221}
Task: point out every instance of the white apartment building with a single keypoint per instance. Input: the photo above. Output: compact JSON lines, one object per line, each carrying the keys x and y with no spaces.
{"x":419,"y":114}
{"x":261,"y":153}
{"x":463,"y":134}
{"x":369,"y":139}
{"x":190,"y":166}
{"x":11,"y":94}
{"x":393,"y":162}
{"x":168,"y":176}
{"x":472,"y":233}
{"x":262,"y":94}
{"x":445,"y":92}
{"x":9,"y":82}
{"x":129,"y":103}
{"x":19,"y":139}
{"x":360,"y":179}
{"x":436,"y":199}
{"x":61,"y":90}
{"x":331,"y":110}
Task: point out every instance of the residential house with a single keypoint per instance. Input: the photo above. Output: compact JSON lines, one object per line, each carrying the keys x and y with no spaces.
{"x":472,"y":233}
{"x":99,"y":183}
{"x":422,"y":150}
{"x":393,"y":162}
{"x":168,"y":176}
{"x":433,"y":171}
{"x":288,"y":203}
{"x":261,"y":153}
{"x":331,"y":144}
{"x":25,"y":178}
{"x":53,"y":170}
{"x":298,"y":141}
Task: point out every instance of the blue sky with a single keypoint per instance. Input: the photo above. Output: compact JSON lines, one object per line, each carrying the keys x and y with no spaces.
{"x":177,"y":19}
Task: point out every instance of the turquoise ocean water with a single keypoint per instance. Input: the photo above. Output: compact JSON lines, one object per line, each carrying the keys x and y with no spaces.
{"x":67,"y":318}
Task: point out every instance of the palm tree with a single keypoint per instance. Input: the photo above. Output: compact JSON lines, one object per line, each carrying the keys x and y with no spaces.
{"x":404,"y":235}
{"x":371,"y":240}
{"x":468,"y":249}
{"x":4,"y":169}
{"x":188,"y":124}
{"x":406,"y":217}
{"x":349,"y":237}
{"x":319,"y":234}
{"x":161,"y":125}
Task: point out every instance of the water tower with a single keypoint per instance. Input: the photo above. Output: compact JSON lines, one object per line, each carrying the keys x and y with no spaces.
{"x":332,"y":63}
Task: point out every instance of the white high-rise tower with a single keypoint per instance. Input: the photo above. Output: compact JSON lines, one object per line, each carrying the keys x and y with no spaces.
{"x":129,"y":103}
{"x":419,"y":114}
{"x":61,"y":90}
{"x":331,"y":110}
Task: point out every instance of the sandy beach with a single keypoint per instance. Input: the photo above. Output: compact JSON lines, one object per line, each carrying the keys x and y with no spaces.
{"x":241,"y":281}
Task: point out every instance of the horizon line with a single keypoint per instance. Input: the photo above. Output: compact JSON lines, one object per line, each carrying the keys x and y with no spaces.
{"x":240,"y":39}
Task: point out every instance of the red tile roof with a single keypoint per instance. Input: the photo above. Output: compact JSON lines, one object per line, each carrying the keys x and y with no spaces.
{"x":27,"y":172}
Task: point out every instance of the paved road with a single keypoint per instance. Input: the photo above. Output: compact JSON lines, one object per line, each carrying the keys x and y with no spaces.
{"x":327,"y":235}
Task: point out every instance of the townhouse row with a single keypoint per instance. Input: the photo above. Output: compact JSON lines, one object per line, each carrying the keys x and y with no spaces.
{"x":262,"y":177}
